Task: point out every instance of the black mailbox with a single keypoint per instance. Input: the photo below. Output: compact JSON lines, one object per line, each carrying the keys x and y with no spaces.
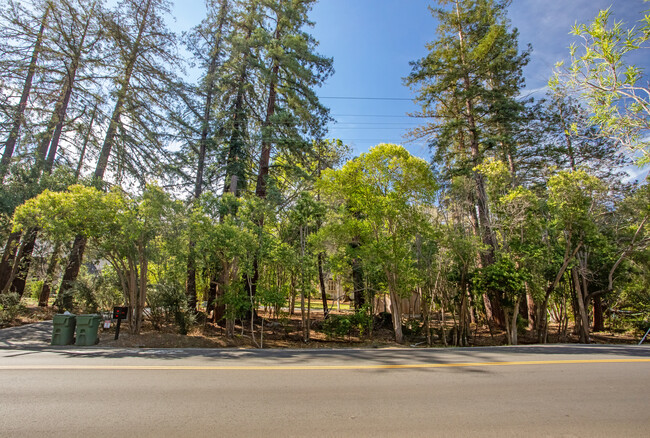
{"x":120,"y":312}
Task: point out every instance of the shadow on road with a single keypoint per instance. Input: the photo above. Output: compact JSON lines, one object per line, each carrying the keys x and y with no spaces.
{"x":27,"y":340}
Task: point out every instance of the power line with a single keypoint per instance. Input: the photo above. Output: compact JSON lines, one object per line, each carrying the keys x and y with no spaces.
{"x":333,"y":128}
{"x":372,"y":123}
{"x":365,"y":98}
{"x":375,"y":115}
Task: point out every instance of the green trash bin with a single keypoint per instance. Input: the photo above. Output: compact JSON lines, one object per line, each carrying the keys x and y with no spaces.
{"x":87,"y":327}
{"x":63,"y":330}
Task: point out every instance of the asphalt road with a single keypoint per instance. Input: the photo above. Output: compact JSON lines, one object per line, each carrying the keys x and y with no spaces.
{"x":517,"y":391}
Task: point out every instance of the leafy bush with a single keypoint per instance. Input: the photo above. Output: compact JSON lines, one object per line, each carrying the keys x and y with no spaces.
{"x":34,"y":287}
{"x":272,"y":297}
{"x":10,"y":307}
{"x":337,"y":325}
{"x":362,"y":320}
{"x":168,"y":302}
{"x":236,"y":301}
{"x":412,"y":327}
{"x":640,"y":323}
{"x":83,"y":296}
{"x":92,"y":293}
{"x":107,"y":289}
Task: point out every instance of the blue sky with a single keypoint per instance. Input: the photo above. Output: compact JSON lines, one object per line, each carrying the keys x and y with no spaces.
{"x":372,"y":42}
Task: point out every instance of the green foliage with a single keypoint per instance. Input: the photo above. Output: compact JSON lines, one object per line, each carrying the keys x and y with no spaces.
{"x":169,"y":303}
{"x":123,"y":230}
{"x":382,"y":198}
{"x":34,"y":287}
{"x":83,"y":297}
{"x":505,"y":278}
{"x":273,"y":297}
{"x":573,"y":202}
{"x":468,"y":85}
{"x":107,"y":291}
{"x":513,"y":188}
{"x":10,"y":307}
{"x":362,"y":320}
{"x":337,"y":326}
{"x":613,"y":89}
{"x":237,"y":302}
{"x":92,"y":293}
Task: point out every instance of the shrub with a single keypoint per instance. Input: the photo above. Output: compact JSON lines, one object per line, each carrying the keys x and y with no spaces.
{"x":83,"y":297}
{"x":10,"y":307}
{"x":92,"y":293}
{"x":337,"y":325}
{"x":34,"y":287}
{"x":167,"y":301}
{"x":362,"y":320}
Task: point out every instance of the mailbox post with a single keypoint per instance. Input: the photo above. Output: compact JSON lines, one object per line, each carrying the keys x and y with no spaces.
{"x":119,"y":313}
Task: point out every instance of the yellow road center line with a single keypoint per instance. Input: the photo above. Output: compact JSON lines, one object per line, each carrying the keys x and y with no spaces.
{"x":313,"y":367}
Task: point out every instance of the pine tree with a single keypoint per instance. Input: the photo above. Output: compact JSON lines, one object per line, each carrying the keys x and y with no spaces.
{"x":78,"y":29}
{"x":240,"y":94}
{"x":207,"y":42}
{"x":293,"y":114}
{"x":143,"y":52}
{"x":468,"y":84}
{"x":16,"y":15}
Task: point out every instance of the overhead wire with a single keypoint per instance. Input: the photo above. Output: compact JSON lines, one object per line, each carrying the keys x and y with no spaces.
{"x":366,"y":98}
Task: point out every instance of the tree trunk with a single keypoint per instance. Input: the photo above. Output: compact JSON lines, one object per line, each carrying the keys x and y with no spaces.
{"x":9,"y":256}
{"x":303,"y":288}
{"x":395,"y":306}
{"x":235,"y":166}
{"x":584,"y":323}
{"x":303,"y":316}
{"x":7,"y":286}
{"x":265,"y":158}
{"x":308,"y":317}
{"x":205,"y":132}
{"x":24,"y":262}
{"x":78,"y":247}
{"x":265,"y":155}
{"x":321,"y":280}
{"x":487,"y":236}
{"x":220,"y":309}
{"x":542,"y":319}
{"x":190,"y":283}
{"x":44,"y":296}
{"x":71,"y":271}
{"x":567,"y":137}
{"x":111,"y":132}
{"x":512,"y":331}
{"x":19,"y":117}
{"x":292,"y":308}
{"x":61,"y":108}
{"x":357,"y":280}
{"x":59,"y":117}
{"x":530,"y":306}
{"x":142,"y":286}
{"x":56,"y":122}
{"x":599,"y":320}
{"x":85,"y":143}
